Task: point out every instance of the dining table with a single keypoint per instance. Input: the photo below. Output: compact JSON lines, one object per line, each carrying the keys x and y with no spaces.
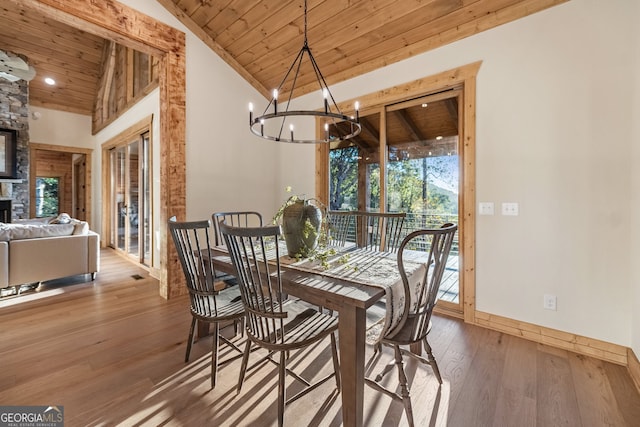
{"x":351,"y":281}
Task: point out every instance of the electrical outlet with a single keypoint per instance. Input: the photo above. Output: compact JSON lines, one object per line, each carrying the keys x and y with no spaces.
{"x":550,"y":302}
{"x":486,"y":208}
{"x":510,"y":208}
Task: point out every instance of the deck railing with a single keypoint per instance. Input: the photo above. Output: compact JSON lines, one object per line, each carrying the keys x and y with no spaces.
{"x":418,"y":221}
{"x":449,"y":288}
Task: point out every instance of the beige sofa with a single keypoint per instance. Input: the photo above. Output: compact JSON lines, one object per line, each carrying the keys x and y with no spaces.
{"x":35,"y":251}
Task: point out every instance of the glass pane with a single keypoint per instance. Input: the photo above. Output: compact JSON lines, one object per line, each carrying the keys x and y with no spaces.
{"x":120,"y":205}
{"x":343,"y":186}
{"x":145,"y":211}
{"x":133,"y":204}
{"x":423,"y":172}
{"x":47,"y":197}
{"x":354,"y":169}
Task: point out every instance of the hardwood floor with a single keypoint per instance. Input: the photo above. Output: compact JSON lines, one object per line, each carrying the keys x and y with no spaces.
{"x":112,"y":353}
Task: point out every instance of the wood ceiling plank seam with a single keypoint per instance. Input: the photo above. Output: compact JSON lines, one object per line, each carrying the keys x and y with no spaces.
{"x":341,"y":27}
{"x":254,"y":17}
{"x":232,"y":13}
{"x":290,"y":46}
{"x":341,"y":72}
{"x":62,"y":62}
{"x":35,"y":42}
{"x":188,"y":6}
{"x":208,"y":11}
{"x":70,"y":94}
{"x":357,"y":50}
{"x":288,"y":19}
{"x":372,"y":41}
{"x":71,"y":102}
{"x":64,"y":72}
{"x":61,"y":107}
{"x":30,"y":28}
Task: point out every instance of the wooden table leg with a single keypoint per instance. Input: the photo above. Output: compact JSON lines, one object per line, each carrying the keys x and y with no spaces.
{"x":351,"y":329}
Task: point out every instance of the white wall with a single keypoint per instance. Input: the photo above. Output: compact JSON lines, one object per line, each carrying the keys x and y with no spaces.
{"x":60,"y":128}
{"x":634,"y":235}
{"x":554,"y":132}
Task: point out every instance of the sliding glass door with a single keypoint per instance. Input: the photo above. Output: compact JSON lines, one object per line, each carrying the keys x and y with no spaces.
{"x":406,"y":159}
{"x":131,"y":199}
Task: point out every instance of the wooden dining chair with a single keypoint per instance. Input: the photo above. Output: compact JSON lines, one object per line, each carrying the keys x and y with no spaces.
{"x":273,"y":322}
{"x":418,"y":305}
{"x":234,"y":219}
{"x":340,"y":227}
{"x":379,"y":231}
{"x":209,"y":301}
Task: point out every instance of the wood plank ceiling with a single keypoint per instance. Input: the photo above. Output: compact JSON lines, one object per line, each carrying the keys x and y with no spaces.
{"x":347,"y":37}
{"x":69,"y":56}
{"x":260,"y":38}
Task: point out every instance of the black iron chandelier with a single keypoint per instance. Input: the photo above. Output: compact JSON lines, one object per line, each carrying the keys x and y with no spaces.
{"x":273,"y":125}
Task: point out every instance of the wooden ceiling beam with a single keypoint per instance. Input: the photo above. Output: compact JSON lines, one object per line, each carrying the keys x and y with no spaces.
{"x":370,"y":130}
{"x":408,"y":125}
{"x":452,"y":108}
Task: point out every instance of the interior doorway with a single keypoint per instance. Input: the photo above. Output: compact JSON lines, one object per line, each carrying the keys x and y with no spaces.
{"x":72,"y":167}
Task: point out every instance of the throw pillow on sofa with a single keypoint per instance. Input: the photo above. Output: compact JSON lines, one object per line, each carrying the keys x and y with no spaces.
{"x":63,"y":218}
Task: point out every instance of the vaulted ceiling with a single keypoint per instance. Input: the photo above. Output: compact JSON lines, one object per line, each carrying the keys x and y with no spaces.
{"x":260,"y":38}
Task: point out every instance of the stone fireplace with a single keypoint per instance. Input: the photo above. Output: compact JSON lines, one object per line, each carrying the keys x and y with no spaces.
{"x":5,"y":210}
{"x":14,"y":114}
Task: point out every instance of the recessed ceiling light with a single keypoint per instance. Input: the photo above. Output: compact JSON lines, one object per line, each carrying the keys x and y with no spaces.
{"x":439,"y":137}
{"x":425,"y":105}
{"x":49,"y":81}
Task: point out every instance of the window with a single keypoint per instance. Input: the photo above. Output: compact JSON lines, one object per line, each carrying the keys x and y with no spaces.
{"x":47,"y":196}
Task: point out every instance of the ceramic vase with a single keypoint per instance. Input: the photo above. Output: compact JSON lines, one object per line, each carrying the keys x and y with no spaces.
{"x":301,"y":227}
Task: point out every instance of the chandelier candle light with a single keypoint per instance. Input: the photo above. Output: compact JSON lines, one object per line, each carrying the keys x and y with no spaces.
{"x":331,"y":113}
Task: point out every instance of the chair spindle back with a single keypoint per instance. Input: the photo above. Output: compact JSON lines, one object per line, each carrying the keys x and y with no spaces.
{"x":420,"y":301}
{"x":260,"y":282}
{"x":191,"y":240}
{"x":234,"y":219}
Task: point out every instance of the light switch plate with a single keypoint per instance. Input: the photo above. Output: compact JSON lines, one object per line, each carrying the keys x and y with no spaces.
{"x":510,"y":208}
{"x":485,"y":208}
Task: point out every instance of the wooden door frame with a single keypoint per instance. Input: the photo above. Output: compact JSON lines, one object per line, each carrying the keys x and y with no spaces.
{"x":76,"y":165}
{"x":465,"y":77}
{"x":127,"y":26}
{"x":34,"y":147}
